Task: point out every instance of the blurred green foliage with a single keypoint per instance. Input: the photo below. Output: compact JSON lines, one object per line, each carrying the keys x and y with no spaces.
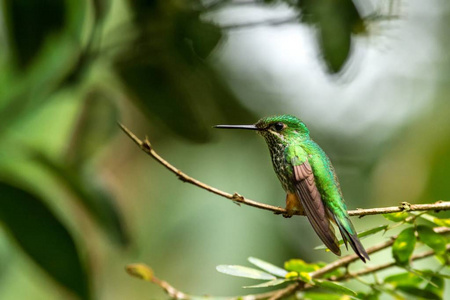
{"x":427,"y":284}
{"x":79,"y":203}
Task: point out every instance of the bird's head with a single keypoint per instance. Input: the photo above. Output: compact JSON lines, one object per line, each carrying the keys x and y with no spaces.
{"x":277,"y":129}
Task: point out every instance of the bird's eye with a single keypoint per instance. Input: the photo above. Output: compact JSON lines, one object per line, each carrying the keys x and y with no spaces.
{"x":278,"y":126}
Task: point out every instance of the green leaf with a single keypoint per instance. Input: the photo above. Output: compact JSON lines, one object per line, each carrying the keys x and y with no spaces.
{"x":241,"y":271}
{"x":92,"y":195}
{"x":268,"y":267}
{"x":299,"y":266}
{"x":204,"y":36}
{"x":372,"y":231}
{"x":432,"y":239}
{"x":436,"y":286}
{"x":396,"y":217}
{"x":89,"y":135}
{"x":43,"y":238}
{"x":406,"y":278}
{"x":418,"y":292}
{"x":373,"y":295}
{"x":430,"y":274}
{"x":361,"y":235}
{"x":435,"y":220}
{"x":442,"y":222}
{"x":335,"y":22}
{"x":305,"y":276}
{"x":334,"y":287}
{"x":267,"y":284}
{"x":321,"y":296}
{"x":166,"y":78}
{"x":30,"y":23}
{"x":403,"y":246}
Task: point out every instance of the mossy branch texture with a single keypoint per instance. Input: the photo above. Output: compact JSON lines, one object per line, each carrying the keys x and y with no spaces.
{"x":239,"y":199}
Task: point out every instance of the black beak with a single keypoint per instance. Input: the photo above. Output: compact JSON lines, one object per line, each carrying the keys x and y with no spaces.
{"x":248,"y":127}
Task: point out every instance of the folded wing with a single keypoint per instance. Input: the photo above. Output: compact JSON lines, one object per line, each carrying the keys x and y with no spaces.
{"x":306,"y":190}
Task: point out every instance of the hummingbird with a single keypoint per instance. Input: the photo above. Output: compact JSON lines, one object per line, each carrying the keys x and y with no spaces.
{"x":308,"y":178}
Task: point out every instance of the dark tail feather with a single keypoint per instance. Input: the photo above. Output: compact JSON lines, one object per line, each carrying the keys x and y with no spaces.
{"x":352,"y":239}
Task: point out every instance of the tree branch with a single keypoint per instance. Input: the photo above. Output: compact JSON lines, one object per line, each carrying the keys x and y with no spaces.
{"x":346,"y":260}
{"x":375,"y":269}
{"x":239,"y":199}
{"x":145,"y":273}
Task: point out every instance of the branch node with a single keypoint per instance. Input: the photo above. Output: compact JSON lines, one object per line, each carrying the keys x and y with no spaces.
{"x":237,"y":199}
{"x":146,"y":146}
{"x":360,"y":209}
{"x":438,"y":202}
{"x":405,"y":206}
{"x":181,"y":176}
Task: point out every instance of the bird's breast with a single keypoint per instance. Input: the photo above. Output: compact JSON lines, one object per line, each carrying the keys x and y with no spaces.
{"x":280,"y":165}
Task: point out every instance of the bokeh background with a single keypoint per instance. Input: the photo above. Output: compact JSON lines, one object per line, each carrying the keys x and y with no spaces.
{"x":79,"y":200}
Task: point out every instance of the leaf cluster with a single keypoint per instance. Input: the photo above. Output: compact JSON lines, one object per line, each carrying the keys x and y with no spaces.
{"x":422,"y":283}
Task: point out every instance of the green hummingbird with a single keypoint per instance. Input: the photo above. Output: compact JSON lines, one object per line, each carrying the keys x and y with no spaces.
{"x":309,"y":179}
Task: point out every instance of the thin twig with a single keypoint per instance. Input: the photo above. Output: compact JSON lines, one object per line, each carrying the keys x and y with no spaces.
{"x":289,"y":290}
{"x":172,"y":292}
{"x":143,"y":272}
{"x":239,"y":199}
{"x":346,"y":260}
{"x":371,"y":270}
{"x":147,"y":148}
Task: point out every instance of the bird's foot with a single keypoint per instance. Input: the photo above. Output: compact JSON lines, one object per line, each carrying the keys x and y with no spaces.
{"x":289,"y":213}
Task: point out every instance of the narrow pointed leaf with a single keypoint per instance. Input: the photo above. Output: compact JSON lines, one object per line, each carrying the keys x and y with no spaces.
{"x":241,"y":271}
{"x":322,"y":296}
{"x":266,"y":284}
{"x":432,"y":239}
{"x":372,"y":231}
{"x":435,"y":220}
{"x":429,"y":274}
{"x":334,"y":287}
{"x":43,"y":238}
{"x":418,"y":292}
{"x":442,"y":222}
{"x":361,"y":235}
{"x":436,"y":286}
{"x":272,"y":269}
{"x":403,"y":246}
{"x":396,"y":217}
{"x":406,"y":278}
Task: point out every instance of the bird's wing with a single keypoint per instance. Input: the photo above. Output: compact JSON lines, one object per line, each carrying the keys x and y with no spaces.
{"x":315,"y":210}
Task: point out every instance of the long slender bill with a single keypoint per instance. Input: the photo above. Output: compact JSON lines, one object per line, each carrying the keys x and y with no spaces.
{"x":247,"y":127}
